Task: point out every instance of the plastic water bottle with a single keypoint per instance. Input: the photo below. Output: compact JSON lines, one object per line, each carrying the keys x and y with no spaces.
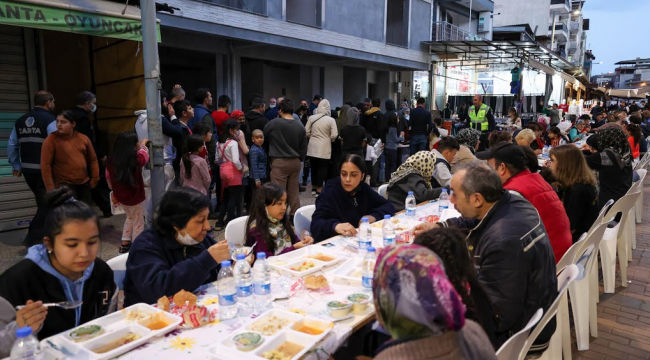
{"x":244,"y":284}
{"x":365,"y":234}
{"x":26,"y":347}
{"x":367,"y":268}
{"x":545,"y":151}
{"x":388,"y":231}
{"x":227,"y":292}
{"x":443,"y":201}
{"x":262,"y":283}
{"x":410,"y":204}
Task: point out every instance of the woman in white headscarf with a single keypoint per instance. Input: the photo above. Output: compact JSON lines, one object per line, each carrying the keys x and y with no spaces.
{"x":321,"y":131}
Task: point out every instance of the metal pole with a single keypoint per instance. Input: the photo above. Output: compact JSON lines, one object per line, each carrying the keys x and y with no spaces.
{"x":152,"y":91}
{"x":553,"y":34}
{"x":469,"y":25}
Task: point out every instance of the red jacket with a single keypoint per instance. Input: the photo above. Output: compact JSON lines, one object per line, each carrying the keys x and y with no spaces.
{"x":549,"y":206}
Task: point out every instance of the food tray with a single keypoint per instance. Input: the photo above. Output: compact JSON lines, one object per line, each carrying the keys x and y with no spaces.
{"x":344,"y":273}
{"x":403,"y":226}
{"x":304,"y":253}
{"x":114,"y":327}
{"x":227,"y":350}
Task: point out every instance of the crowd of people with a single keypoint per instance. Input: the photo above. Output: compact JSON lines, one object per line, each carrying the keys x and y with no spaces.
{"x":482,"y":275}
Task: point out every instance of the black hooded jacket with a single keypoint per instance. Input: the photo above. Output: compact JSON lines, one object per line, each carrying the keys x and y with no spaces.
{"x":254,"y":121}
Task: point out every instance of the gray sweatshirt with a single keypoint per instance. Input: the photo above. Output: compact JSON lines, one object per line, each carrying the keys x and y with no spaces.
{"x":8,"y":327}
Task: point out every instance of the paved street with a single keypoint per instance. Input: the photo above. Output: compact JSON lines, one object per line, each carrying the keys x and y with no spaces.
{"x":624,"y":317}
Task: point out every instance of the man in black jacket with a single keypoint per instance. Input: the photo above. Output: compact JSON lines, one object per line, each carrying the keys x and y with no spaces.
{"x":255,"y":119}
{"x":86,"y":105}
{"x":513,"y":256}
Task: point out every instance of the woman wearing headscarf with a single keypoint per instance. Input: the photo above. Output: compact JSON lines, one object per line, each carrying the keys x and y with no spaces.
{"x":353,"y":135}
{"x":469,"y":141}
{"x":321,"y":131}
{"x":419,"y":308}
{"x":612,"y":158}
{"x":414,"y":175}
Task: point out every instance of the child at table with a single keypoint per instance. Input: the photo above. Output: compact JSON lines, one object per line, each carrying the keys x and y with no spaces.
{"x":65,"y":268}
{"x":269,"y":228}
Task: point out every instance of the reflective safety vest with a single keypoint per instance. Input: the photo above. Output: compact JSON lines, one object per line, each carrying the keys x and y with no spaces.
{"x":479,"y":121}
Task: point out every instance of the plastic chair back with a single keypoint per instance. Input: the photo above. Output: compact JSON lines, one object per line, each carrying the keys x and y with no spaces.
{"x":623,"y":206}
{"x":565,"y":278}
{"x":302,"y":219}
{"x":601,"y":216}
{"x":383,"y":191}
{"x":512,"y":349}
{"x":118,"y":265}
{"x":236,"y":232}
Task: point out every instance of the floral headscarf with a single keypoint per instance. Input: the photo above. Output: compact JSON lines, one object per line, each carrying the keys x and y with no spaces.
{"x":421,"y":163}
{"x":615,"y":140}
{"x":468,"y":137}
{"x":412,"y":294}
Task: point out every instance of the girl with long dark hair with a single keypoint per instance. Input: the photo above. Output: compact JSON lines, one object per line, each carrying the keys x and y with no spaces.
{"x":449,"y":244}
{"x":231,"y":172}
{"x":124,"y":176}
{"x":195,"y":172}
{"x":269,"y":227}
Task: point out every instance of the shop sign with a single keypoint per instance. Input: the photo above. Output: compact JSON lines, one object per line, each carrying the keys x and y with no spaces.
{"x":79,"y":22}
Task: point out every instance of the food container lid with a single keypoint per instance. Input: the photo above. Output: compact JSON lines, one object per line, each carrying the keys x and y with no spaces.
{"x":359,"y":298}
{"x":339,"y":304}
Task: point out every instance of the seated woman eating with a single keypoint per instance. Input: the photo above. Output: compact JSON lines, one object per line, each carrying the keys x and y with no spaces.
{"x":345,"y":200}
{"x":64,"y":268}
{"x":418,"y":306}
{"x":269,"y":228}
{"x":177,"y":253}
{"x":414,"y":175}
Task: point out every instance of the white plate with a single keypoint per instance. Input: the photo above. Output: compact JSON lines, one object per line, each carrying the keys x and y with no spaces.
{"x":345,"y":272}
{"x":227,"y":350}
{"x":319,"y":265}
{"x":115,"y":325}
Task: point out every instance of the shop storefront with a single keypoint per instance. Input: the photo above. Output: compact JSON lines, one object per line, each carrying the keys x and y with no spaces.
{"x":65,"y":49}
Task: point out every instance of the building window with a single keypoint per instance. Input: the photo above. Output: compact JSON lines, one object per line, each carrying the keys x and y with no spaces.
{"x":253,"y":6}
{"x":397,"y":22}
{"x":306,"y":12}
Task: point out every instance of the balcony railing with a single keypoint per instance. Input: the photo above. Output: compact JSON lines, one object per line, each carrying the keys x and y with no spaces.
{"x":444,"y":31}
{"x":566,"y":3}
{"x":559,"y":27}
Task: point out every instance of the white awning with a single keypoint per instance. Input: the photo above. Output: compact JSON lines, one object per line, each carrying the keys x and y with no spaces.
{"x":568,"y":78}
{"x":539,"y":66}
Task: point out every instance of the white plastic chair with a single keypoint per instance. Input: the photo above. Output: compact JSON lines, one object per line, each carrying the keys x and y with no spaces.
{"x":383,"y":191}
{"x":639,"y":203}
{"x":236,"y":232}
{"x":511,"y":349}
{"x":584,"y":254}
{"x":554,"y":350}
{"x":118,"y":265}
{"x":615,"y":240}
{"x":302,"y":219}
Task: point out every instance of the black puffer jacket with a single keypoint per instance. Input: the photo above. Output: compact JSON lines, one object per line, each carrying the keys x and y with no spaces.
{"x":412,"y":182}
{"x":254,"y":121}
{"x":515,"y":264}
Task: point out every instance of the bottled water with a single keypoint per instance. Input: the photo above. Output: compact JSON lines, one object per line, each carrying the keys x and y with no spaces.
{"x":227,"y":292}
{"x":545,"y":151}
{"x":244,"y":284}
{"x":26,"y":347}
{"x":262,"y":283}
{"x":365,"y":234}
{"x":443,"y":201}
{"x":388,"y":231}
{"x":410,"y":204}
{"x":367,"y":268}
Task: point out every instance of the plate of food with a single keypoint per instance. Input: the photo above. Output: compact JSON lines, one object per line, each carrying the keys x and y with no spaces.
{"x":349,"y":272}
{"x":276,"y":334}
{"x":301,"y":268}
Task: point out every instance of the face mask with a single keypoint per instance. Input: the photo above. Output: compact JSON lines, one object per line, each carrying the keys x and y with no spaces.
{"x":303,"y":108}
{"x":186,"y":239}
{"x":271,"y":106}
{"x":407,"y":117}
{"x":92,"y":108}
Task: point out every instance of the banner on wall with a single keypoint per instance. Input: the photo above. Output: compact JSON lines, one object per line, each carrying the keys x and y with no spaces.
{"x":460,"y":82}
{"x":79,"y":22}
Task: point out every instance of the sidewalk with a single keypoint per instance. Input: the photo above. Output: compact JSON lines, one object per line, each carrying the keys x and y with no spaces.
{"x":624,"y":317}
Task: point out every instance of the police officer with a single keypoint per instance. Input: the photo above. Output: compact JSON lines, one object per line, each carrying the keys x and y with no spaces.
{"x":24,"y":152}
{"x":481,"y":118}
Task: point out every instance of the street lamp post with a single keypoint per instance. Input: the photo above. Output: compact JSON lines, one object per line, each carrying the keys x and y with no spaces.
{"x":152,"y":93}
